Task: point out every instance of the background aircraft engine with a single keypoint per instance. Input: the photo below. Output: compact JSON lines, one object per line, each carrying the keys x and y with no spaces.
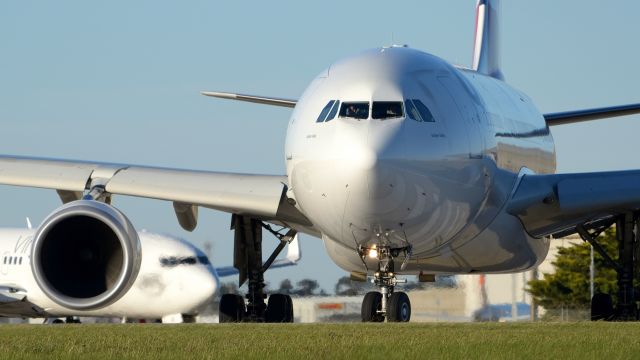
{"x":86,"y":255}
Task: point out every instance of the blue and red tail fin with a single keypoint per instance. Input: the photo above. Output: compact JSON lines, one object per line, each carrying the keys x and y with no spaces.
{"x":486,"y":49}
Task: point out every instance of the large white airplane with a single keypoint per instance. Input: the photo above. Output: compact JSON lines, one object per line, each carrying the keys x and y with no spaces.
{"x":173,"y":275}
{"x":401,"y":162}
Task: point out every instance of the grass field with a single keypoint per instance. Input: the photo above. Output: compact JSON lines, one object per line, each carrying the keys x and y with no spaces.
{"x":325,"y":341}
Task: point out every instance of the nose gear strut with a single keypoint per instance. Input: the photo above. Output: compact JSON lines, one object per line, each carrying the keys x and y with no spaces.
{"x":386,"y":304}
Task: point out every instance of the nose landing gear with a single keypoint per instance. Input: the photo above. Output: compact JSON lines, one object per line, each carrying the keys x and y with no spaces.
{"x":386,"y":304}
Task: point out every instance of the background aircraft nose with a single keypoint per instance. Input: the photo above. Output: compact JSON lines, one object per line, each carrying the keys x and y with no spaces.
{"x":204,"y":284}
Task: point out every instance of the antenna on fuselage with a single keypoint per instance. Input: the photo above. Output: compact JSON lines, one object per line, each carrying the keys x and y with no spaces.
{"x":486,"y":48}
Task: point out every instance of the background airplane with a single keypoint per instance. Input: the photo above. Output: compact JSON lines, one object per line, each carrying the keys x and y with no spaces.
{"x":510,"y":75}
{"x":175,"y":277}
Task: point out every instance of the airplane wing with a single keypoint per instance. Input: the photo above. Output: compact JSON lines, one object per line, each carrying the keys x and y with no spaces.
{"x":558,"y":203}
{"x":252,"y":98}
{"x":569,"y":117}
{"x":13,"y":302}
{"x":262,"y":196}
{"x":293,"y":256}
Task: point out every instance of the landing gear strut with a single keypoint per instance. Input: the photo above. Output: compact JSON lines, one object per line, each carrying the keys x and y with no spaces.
{"x":628,"y":236}
{"x":386,"y":304}
{"x":248,"y":261}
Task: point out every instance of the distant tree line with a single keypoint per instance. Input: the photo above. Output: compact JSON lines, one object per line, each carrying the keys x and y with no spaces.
{"x":569,"y":285}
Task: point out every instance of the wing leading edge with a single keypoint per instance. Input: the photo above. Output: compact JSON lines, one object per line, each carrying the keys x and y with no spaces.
{"x":261,"y":196}
{"x":551,"y":204}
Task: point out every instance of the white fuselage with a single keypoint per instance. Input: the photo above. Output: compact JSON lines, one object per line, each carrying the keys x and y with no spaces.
{"x":439,"y":186}
{"x":174,"y":278}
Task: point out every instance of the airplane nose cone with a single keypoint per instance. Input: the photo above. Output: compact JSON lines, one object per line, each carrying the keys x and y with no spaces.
{"x":204,"y":286}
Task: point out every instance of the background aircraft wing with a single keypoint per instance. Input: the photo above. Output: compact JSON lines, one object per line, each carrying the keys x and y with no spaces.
{"x":13,"y":302}
{"x":569,"y":117}
{"x":261,"y":196}
{"x":293,"y":256}
{"x":252,"y":98}
{"x":556,"y":204}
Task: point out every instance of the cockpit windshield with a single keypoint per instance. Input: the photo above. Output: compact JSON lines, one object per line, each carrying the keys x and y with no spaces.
{"x":171,"y":261}
{"x":354,"y":110}
{"x":386,"y":109}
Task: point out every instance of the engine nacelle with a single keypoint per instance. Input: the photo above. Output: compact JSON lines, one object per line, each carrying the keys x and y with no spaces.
{"x":86,"y":255}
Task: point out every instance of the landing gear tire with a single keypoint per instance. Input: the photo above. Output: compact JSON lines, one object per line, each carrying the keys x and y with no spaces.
{"x":232,"y":308}
{"x":279,"y":309}
{"x":371,"y":307}
{"x":398,"y":307}
{"x":601,"y":307}
{"x":188,"y":318}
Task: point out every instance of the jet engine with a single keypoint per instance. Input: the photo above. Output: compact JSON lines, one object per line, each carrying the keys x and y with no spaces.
{"x":85,"y":255}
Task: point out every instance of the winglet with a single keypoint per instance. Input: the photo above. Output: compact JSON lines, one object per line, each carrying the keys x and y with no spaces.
{"x":29,"y":226}
{"x":486,"y":49}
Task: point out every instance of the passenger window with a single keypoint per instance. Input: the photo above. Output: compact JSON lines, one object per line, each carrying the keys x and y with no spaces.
{"x":334,"y":111}
{"x":424,"y":111}
{"x":20,"y":261}
{"x":354,"y":110}
{"x":386,"y":109}
{"x":325,"y":111}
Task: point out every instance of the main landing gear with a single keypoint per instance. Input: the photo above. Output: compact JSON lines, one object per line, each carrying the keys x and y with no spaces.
{"x":386,"y":304}
{"x":248,"y":260}
{"x":628,"y":239}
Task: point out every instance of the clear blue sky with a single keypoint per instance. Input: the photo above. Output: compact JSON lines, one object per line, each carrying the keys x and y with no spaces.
{"x":118,"y":81}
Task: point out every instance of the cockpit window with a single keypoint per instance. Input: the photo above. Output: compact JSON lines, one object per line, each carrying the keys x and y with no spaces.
{"x":417,"y":111}
{"x":325,"y":111}
{"x":171,"y":261}
{"x":386,"y":109}
{"x":355,"y":110}
{"x":334,"y":111}
{"x":329,"y":111}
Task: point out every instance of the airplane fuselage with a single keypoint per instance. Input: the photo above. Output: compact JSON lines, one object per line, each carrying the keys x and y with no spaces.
{"x":396,"y":174}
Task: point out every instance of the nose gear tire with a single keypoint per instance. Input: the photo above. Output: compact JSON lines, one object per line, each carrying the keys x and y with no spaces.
{"x":398,"y":307}
{"x":371,"y":305}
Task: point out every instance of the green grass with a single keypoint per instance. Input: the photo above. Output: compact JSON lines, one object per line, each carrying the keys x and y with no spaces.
{"x":582,"y":340}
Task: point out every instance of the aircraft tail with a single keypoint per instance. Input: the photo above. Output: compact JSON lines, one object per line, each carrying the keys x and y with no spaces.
{"x":486,"y":50}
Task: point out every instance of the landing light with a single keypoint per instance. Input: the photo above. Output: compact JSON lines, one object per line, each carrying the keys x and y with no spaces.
{"x":373,"y":253}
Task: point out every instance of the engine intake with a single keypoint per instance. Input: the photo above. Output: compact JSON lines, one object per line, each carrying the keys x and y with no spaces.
{"x":86,"y":255}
